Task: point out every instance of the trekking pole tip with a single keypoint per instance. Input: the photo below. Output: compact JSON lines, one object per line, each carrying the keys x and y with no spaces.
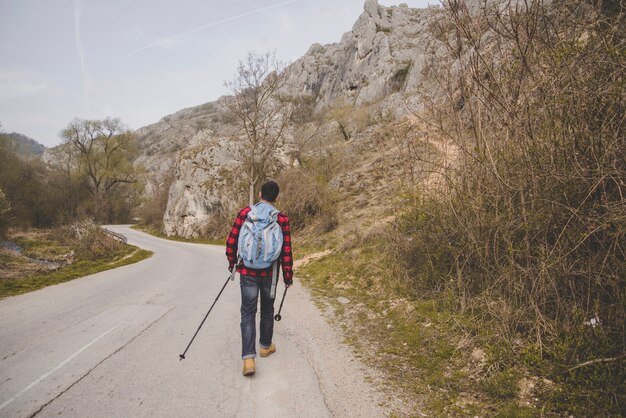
{"x":182,"y":357}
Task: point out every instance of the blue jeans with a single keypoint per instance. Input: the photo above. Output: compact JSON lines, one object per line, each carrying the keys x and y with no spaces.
{"x":250,"y":287}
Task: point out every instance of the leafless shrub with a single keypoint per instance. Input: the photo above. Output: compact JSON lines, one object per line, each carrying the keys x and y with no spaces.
{"x":407,"y":156}
{"x":352,"y":119}
{"x":153,"y":207}
{"x":533,"y":214}
{"x":5,"y":208}
{"x":89,"y":241}
{"x":218,"y":225}
{"x":307,"y":200}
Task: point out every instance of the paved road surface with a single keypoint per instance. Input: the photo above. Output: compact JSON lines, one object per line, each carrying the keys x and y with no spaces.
{"x":107,"y":345}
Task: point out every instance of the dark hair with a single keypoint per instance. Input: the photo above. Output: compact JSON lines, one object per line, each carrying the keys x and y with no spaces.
{"x":269,"y":191}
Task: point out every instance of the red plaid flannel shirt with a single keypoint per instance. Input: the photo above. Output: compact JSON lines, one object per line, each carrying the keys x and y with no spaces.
{"x":286,"y":259}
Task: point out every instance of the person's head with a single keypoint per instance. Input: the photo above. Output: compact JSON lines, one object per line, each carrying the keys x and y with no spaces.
{"x":269,"y":191}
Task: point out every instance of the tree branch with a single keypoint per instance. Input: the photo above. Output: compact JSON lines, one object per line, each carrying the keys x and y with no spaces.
{"x":596,"y":361}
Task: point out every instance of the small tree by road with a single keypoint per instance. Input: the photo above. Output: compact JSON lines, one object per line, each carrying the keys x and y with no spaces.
{"x":261,"y":116}
{"x":105,"y":150}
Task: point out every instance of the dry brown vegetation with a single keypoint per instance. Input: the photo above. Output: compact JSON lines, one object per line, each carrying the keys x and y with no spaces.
{"x":153,"y":206}
{"x":507,"y":245}
{"x":52,"y":256}
{"x":307,"y":199}
{"x":498,"y":288}
{"x":531,"y":228}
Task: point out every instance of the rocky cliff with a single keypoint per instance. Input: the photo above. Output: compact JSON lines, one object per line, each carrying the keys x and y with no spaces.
{"x":381,"y":57}
{"x":162,"y":141}
{"x":204,"y":177}
{"x":375,"y":69}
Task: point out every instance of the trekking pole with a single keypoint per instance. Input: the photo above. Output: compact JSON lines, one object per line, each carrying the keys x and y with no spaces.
{"x":230,"y":278}
{"x":277,"y":317}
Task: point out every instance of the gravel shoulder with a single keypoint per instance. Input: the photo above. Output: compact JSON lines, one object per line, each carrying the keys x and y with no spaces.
{"x":343,"y":379}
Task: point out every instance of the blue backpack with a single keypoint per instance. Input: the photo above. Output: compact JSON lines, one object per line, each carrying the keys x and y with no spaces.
{"x":260,"y":237}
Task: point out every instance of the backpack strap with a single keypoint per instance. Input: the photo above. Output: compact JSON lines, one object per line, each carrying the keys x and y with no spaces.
{"x":251,"y":213}
{"x":274,"y":279}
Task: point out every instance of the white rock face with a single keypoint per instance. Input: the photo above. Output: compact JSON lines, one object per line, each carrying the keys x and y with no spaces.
{"x":203,"y":183}
{"x":377,"y":64}
{"x":162,"y":141}
{"x":382,"y":55}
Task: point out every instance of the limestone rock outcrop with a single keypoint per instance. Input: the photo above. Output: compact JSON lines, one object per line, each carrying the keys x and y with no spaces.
{"x":375,"y":68}
{"x":383,"y":55}
{"x":204,"y":172}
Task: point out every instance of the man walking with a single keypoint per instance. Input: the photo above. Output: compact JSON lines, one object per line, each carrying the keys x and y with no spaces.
{"x":249,"y":247}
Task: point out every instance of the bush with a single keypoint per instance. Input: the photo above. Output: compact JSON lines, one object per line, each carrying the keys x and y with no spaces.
{"x":26,"y":187}
{"x":153,"y":208}
{"x":532,"y":224}
{"x":217,"y":226}
{"x":5,"y":209}
{"x":307,"y":200}
{"x":352,"y":119}
{"x":90,"y":242}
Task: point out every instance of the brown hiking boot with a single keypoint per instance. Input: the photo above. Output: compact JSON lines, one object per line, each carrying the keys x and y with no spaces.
{"x":265,"y":352}
{"x":248,"y":367}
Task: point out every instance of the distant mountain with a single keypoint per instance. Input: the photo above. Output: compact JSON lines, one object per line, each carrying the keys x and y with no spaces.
{"x":25,"y":146}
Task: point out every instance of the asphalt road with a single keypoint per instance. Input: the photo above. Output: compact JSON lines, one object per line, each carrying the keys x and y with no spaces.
{"x":108,"y":345}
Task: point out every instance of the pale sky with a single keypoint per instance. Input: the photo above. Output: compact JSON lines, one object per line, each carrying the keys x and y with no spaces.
{"x":140,"y":60}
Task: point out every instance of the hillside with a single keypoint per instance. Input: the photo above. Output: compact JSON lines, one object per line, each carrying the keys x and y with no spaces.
{"x":455,"y":180}
{"x":352,"y":87}
{"x":25,"y":146}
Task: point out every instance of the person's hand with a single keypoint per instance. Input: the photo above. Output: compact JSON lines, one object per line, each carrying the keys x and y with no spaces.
{"x":231,"y":267}
{"x":288,"y":276}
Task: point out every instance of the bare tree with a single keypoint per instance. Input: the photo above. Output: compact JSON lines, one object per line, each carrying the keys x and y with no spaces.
{"x":105,"y":149}
{"x":260,"y":114}
{"x":532,"y":96}
{"x":67,"y":178}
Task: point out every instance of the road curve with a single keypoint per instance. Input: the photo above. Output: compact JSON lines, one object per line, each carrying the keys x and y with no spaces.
{"x":107,"y":345}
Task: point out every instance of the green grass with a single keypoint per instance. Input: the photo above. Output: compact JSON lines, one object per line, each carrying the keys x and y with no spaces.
{"x":41,"y":249}
{"x":426,"y":346}
{"x":155,"y":232}
{"x":501,"y":386}
{"x":9,"y":262}
{"x":129,"y":254}
{"x":423,"y":345}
